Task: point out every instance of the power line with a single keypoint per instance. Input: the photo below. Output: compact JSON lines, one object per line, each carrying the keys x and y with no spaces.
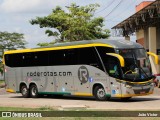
{"x":112,"y":1}
{"x":125,"y":10}
{"x":113,"y":8}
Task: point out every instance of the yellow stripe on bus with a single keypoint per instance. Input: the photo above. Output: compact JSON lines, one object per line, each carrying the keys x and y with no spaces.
{"x":121,"y":59}
{"x":155,"y":56}
{"x":57,"y":48}
{"x":82,"y":94}
{"x":134,"y":82}
{"x":10,"y":90}
{"x":131,"y":95}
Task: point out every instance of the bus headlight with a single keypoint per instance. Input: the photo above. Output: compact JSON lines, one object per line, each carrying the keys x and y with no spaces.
{"x":128,"y":86}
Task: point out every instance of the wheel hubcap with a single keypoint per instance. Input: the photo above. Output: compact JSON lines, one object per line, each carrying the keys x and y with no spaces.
{"x":101,"y":93}
{"x":24,"y":91}
{"x":34,"y":91}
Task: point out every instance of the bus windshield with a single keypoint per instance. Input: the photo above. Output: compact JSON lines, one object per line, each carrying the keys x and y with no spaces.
{"x":137,"y":65}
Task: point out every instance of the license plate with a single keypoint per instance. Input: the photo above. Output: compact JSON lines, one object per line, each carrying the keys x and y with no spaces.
{"x":142,"y":92}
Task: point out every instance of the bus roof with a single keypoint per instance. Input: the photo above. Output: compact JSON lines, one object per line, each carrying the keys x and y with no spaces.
{"x":112,"y":43}
{"x":121,"y":44}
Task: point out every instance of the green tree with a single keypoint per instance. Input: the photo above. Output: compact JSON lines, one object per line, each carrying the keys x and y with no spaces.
{"x":11,"y":40}
{"x":78,"y":23}
{"x":45,"y":44}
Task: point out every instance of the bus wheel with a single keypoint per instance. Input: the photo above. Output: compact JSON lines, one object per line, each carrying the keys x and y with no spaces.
{"x":100,"y":93}
{"x":33,"y":91}
{"x":24,"y":91}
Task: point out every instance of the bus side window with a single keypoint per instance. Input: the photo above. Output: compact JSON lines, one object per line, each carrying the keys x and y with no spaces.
{"x":89,"y":56}
{"x":28,"y":59}
{"x":70,"y":57}
{"x":112,"y":66}
{"x":14,"y":60}
{"x":40,"y":58}
{"x":56,"y":57}
{"x":8,"y":60}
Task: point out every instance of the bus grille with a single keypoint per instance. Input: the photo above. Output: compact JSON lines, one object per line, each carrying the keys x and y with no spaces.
{"x":142,"y":91}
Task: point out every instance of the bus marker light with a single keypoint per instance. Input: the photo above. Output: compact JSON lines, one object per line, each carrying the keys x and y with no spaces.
{"x":5,"y":70}
{"x":63,"y":89}
{"x":113,"y":92}
{"x":90,"y":79}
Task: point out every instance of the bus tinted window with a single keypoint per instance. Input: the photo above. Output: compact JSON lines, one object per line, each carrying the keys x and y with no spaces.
{"x":86,"y":56}
{"x":112,"y":66}
{"x":14,"y":60}
{"x":89,"y":56}
{"x":28,"y":59}
{"x":56,"y":57}
{"x":70,"y":57}
{"x":40,"y":58}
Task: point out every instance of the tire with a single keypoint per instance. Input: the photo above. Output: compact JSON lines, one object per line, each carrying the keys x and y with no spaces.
{"x":24,"y":91}
{"x":100,"y":94}
{"x":33,"y":91}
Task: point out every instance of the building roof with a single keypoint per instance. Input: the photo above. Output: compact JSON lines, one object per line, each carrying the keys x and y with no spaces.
{"x":146,"y":17}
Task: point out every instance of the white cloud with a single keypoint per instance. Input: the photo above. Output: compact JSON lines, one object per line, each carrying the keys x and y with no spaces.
{"x":18,"y":6}
{"x":37,"y":36}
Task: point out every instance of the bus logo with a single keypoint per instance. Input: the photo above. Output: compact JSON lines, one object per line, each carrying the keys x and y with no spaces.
{"x":83,"y":74}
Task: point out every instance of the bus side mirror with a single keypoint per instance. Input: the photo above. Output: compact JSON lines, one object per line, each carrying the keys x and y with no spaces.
{"x":154,"y":55}
{"x":120,"y":58}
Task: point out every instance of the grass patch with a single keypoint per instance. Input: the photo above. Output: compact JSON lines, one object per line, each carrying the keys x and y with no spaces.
{"x":48,"y":108}
{"x":45,"y":108}
{"x":17,"y":109}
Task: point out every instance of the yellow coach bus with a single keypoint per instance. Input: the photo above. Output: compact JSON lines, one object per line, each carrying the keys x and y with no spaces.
{"x":99,"y":68}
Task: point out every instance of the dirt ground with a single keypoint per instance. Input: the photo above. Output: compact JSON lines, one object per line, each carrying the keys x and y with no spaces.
{"x":150,"y":102}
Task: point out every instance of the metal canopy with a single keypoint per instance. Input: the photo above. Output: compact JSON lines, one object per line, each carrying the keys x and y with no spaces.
{"x":149,"y":16}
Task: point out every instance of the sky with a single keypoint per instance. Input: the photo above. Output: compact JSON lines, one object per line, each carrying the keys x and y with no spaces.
{"x":15,"y":15}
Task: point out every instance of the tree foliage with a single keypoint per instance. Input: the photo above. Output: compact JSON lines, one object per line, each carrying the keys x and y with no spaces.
{"x":11,"y":40}
{"x":78,"y":23}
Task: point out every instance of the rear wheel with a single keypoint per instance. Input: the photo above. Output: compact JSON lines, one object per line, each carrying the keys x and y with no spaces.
{"x":33,"y":91}
{"x":24,"y":91}
{"x":100,"y":93}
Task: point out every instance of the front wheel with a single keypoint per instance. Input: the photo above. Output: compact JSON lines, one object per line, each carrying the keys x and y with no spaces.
{"x":24,"y":91}
{"x":100,"y":93}
{"x":33,"y":91}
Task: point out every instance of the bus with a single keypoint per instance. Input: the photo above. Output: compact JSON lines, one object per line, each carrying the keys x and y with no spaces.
{"x":98,"y":68}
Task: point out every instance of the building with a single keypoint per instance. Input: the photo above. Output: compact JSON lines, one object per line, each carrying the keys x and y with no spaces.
{"x":145,"y":23}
